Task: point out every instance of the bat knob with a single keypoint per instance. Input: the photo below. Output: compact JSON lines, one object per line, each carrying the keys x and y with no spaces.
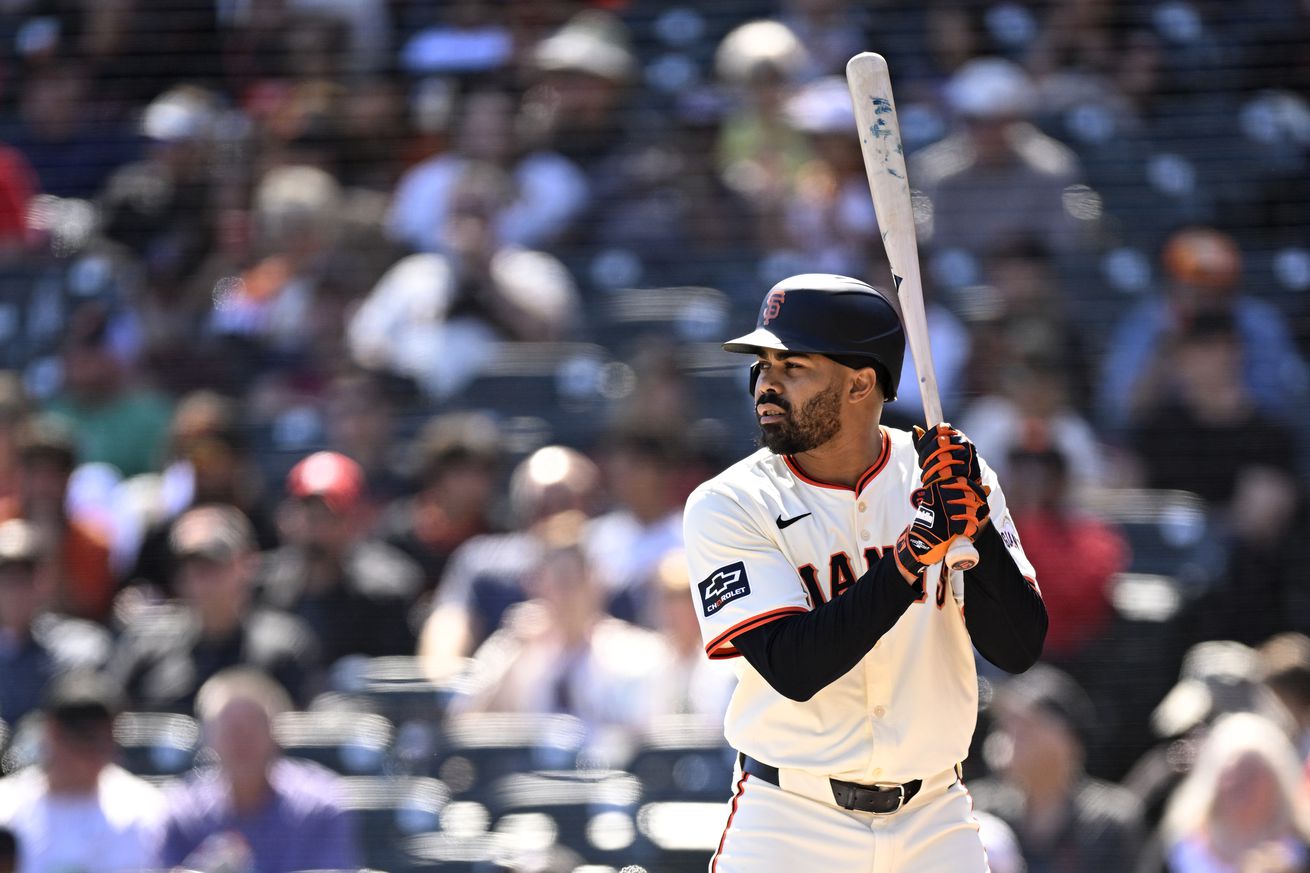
{"x":961,"y":555}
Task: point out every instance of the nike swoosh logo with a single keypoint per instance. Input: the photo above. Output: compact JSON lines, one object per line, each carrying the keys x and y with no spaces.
{"x":783,"y":523}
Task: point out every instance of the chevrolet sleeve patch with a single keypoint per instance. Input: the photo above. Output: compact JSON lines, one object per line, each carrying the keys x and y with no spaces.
{"x":725,"y":585}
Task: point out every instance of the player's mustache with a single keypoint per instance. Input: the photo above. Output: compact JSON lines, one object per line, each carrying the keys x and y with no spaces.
{"x":771,"y":399}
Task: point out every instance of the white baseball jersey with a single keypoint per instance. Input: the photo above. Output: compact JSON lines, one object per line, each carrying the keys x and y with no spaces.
{"x":764,"y":540}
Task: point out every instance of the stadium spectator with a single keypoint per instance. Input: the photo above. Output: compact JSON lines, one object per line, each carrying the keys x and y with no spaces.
{"x":368,"y":28}
{"x":582,"y":77}
{"x":626,"y":545}
{"x":666,"y":204}
{"x":211,"y":463}
{"x":1032,"y":402}
{"x":298,"y":214}
{"x":1023,"y":313}
{"x":372,"y":147}
{"x":548,"y":189}
{"x":485,"y":576}
{"x":76,"y":809}
{"x":17,"y":188}
{"x":163,"y":209}
{"x":35,"y":645}
{"x":1202,"y":277}
{"x":359,"y":412}
{"x":1285,"y":670}
{"x":437,"y":318}
{"x":458,"y":459}
{"x":139,"y":49}
{"x":14,"y":410}
{"x":1226,"y":433}
{"x":256,"y":810}
{"x":759,"y":152}
{"x":1218,"y":677}
{"x":353,"y":590}
{"x":997,"y":177}
{"x":116,"y":419}
{"x":559,"y":652}
{"x":75,"y":574}
{"x":831,"y":31}
{"x":67,"y":136}
{"x":829,"y":222}
{"x":690,"y":683}
{"x":170,"y":650}
{"x":1208,"y":436}
{"x":1242,"y":807}
{"x":464,"y":39}
{"x":1066,"y":821}
{"x":1075,"y":555}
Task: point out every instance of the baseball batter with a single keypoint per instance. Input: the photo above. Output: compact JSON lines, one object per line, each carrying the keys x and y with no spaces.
{"x":816,"y":561}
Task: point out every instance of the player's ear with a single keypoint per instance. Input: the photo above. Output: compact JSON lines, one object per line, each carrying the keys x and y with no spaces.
{"x":863,"y":384}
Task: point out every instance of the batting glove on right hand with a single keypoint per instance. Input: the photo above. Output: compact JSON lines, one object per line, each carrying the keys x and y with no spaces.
{"x":945,"y":453}
{"x":943,"y":511}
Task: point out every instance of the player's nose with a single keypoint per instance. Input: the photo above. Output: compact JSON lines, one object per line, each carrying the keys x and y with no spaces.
{"x":766,"y":383}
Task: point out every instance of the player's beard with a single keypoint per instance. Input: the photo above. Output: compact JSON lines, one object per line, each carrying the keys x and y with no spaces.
{"x":817,"y":421}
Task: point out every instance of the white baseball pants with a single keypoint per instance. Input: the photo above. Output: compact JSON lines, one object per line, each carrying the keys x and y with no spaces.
{"x":771,"y":830}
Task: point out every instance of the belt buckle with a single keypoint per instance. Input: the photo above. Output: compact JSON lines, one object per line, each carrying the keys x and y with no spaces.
{"x":900,"y":796}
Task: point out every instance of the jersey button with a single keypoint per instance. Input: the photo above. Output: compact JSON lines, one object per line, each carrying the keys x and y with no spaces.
{"x":863,"y":506}
{"x":879,"y":711}
{"x":864,"y":535}
{"x":877,"y":772}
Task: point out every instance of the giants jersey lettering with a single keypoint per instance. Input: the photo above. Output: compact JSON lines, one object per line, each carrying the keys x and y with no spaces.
{"x":764,"y":540}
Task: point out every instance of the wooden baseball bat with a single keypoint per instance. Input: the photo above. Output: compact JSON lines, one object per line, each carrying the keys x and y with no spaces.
{"x":884,"y":161}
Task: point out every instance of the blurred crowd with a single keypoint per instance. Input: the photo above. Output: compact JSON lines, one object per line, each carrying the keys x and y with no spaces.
{"x":340,"y":337}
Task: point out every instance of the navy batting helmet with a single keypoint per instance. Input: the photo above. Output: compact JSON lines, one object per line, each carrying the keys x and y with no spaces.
{"x":837,"y":316}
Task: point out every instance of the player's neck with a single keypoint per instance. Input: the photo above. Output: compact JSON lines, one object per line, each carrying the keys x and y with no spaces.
{"x":846,"y":457}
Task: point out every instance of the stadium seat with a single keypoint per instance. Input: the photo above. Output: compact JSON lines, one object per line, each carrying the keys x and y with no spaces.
{"x":157,"y":744}
{"x":684,"y":758}
{"x":349,"y":743}
{"x":590,"y":812}
{"x":682,"y":835}
{"x":448,"y":853}
{"x":476,"y":749}
{"x":393,"y":686}
{"x":388,"y":812}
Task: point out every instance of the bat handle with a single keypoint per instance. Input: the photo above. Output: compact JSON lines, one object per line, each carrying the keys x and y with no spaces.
{"x":961,"y":555}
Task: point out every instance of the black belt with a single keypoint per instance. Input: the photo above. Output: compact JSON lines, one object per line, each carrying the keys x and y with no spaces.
{"x":883,"y":799}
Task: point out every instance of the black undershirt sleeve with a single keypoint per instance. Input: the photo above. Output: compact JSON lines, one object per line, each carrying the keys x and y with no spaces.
{"x":802,"y":653}
{"x":1002,"y":610}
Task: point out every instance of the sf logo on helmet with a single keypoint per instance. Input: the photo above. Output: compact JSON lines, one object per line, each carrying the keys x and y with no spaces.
{"x":773,"y":305}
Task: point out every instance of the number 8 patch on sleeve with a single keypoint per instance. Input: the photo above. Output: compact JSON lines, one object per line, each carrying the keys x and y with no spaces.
{"x":723,"y":586}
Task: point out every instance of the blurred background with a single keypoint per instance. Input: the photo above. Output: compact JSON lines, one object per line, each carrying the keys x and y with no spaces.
{"x":358,"y":356}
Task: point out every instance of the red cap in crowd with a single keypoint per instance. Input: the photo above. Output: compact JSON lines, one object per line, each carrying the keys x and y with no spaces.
{"x":331,"y":476}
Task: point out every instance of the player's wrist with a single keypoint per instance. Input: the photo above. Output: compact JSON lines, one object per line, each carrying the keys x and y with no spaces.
{"x":907,"y":559}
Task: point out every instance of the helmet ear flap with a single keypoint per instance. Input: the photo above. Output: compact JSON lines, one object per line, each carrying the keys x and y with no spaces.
{"x":755,"y":376}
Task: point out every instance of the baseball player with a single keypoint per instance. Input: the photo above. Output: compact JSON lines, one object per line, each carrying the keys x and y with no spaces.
{"x":817,"y":562}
